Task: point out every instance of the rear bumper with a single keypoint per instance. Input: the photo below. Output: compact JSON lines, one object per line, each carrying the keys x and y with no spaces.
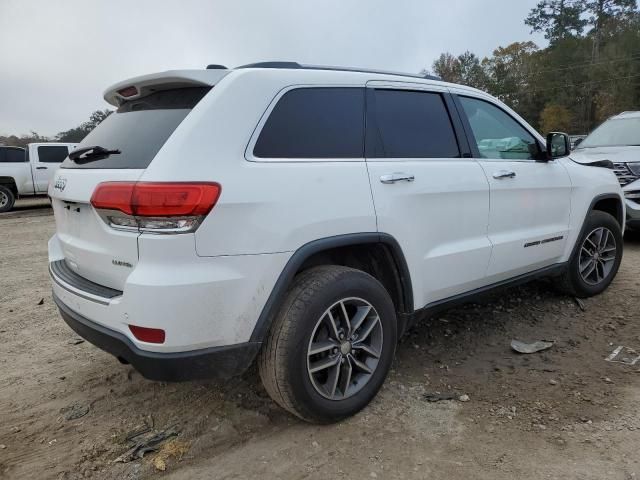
{"x":216,"y":362}
{"x":200,"y":302}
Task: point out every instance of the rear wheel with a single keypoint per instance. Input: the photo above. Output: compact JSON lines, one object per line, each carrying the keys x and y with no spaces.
{"x":331,"y":345}
{"x":7,"y":199}
{"x":595,"y":263}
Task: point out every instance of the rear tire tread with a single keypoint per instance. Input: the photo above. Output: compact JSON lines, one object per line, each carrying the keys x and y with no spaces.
{"x":274,"y":355}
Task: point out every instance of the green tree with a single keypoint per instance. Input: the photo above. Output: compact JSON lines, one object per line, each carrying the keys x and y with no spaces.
{"x":509,"y":72}
{"x":602,"y":12}
{"x":472,"y":72}
{"x":447,"y":67}
{"x":558,"y":19}
{"x":465,"y":69}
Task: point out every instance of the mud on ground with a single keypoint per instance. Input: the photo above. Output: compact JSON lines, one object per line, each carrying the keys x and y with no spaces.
{"x":67,"y":409}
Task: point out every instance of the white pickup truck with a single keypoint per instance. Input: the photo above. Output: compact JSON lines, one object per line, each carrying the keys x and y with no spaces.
{"x":26,"y":172}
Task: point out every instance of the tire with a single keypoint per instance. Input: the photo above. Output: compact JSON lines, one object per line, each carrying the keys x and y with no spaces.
{"x":7,"y":199}
{"x":286,"y":360}
{"x":579,"y":284}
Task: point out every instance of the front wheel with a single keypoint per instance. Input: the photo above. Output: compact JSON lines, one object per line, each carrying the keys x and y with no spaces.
{"x":331,"y":345}
{"x":7,"y":199}
{"x":597,"y":258}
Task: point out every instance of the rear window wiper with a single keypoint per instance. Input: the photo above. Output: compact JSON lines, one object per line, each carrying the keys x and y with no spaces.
{"x":91,"y":154}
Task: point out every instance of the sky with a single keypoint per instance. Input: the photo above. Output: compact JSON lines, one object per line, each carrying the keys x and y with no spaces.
{"x":58,"y":57}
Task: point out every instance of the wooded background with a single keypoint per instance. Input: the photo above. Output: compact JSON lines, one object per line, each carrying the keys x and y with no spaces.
{"x":589,"y":71}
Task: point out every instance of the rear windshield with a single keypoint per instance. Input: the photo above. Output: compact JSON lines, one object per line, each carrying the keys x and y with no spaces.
{"x":139,"y":128}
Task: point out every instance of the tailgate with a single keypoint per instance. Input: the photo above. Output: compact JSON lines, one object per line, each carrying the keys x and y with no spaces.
{"x":118,"y":150}
{"x":91,"y":248}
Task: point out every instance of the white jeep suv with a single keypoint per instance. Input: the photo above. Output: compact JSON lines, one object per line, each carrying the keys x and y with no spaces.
{"x":308,"y":216}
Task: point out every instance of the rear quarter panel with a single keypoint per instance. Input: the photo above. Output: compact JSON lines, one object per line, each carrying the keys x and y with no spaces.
{"x":265,"y":207}
{"x":21,"y":175}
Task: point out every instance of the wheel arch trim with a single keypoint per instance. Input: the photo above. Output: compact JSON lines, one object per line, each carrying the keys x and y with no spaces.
{"x":596,"y":199}
{"x":307,"y":250}
{"x":10,"y":183}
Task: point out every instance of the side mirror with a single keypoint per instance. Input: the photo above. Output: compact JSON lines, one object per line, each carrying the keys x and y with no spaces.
{"x":558,"y":145}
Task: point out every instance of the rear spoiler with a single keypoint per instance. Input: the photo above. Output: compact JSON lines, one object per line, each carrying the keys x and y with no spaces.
{"x":142,"y":86}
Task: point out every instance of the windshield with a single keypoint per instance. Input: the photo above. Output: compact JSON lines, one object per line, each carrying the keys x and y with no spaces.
{"x":139,"y":128}
{"x":617,"y":132}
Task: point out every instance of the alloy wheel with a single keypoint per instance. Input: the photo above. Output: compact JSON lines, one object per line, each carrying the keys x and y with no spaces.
{"x":345,"y":348}
{"x":597,"y":256}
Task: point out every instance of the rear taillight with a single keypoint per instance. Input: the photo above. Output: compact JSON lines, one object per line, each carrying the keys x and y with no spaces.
{"x":171,"y":207}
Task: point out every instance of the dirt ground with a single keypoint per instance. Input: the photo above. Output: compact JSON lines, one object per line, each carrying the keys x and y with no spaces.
{"x":68,"y":410}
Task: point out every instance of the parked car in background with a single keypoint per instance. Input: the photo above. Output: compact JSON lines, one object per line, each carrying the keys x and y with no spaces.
{"x":26,"y":172}
{"x":306,"y":217}
{"x":618,"y":140}
{"x":575,"y":140}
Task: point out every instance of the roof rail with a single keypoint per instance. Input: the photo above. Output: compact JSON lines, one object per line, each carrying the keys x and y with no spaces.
{"x":296,"y":65}
{"x":215,"y":66}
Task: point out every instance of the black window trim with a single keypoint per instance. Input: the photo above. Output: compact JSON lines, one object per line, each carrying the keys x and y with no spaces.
{"x":459,"y":132}
{"x":472,"y":139}
{"x":253,"y":139}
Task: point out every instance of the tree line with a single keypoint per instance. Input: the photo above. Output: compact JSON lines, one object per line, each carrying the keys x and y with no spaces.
{"x":72,"y":135}
{"x":589,"y":71}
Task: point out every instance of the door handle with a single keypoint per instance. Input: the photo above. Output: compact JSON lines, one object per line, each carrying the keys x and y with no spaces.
{"x":504,"y":174}
{"x":41,"y":168}
{"x":397,"y":177}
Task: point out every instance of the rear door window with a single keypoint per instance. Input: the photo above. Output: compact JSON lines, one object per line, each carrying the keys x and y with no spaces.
{"x":12,"y":155}
{"x":52,"y":153}
{"x":315,"y":123}
{"x":15,"y":155}
{"x":410,"y":124}
{"x":139,"y":128}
